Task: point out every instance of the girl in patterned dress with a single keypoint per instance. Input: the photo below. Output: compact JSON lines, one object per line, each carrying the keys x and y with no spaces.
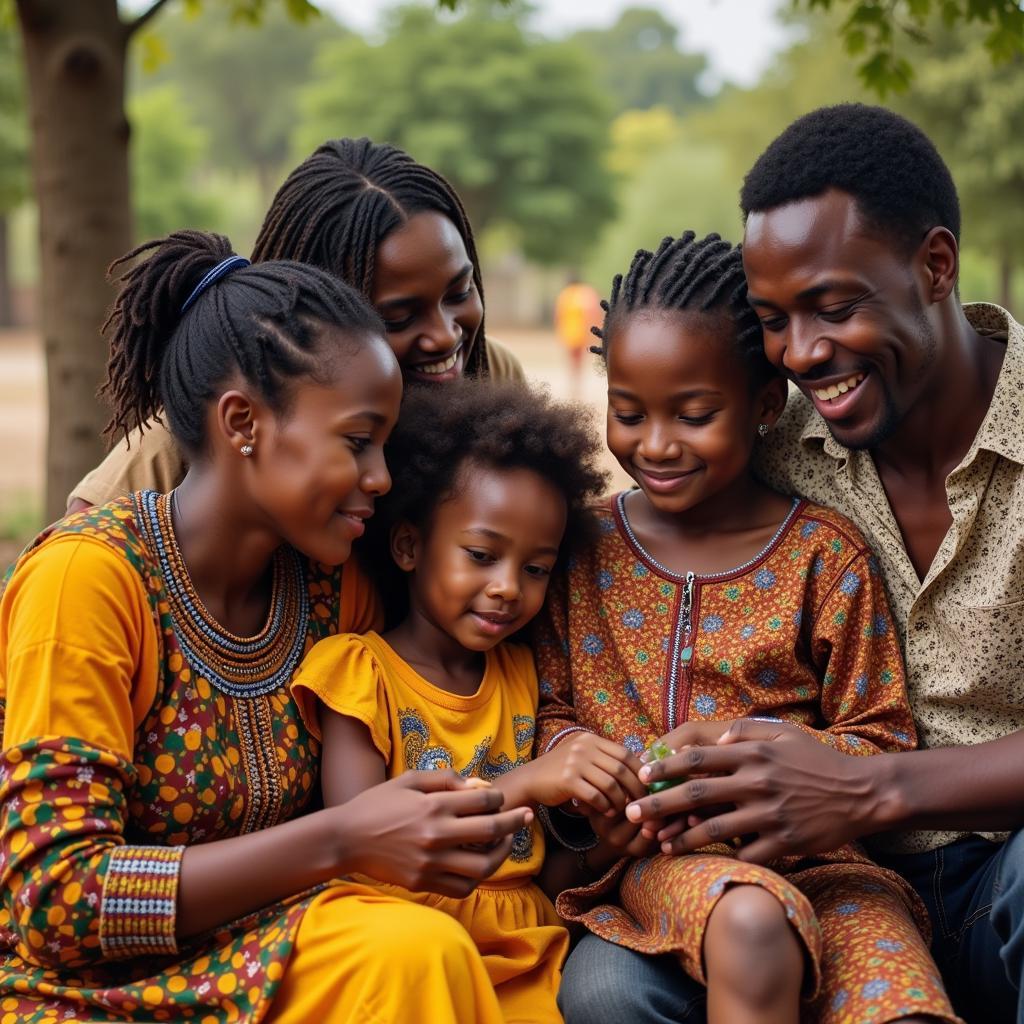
{"x":709,"y":597}
{"x":490,"y":479}
{"x":159,"y":852}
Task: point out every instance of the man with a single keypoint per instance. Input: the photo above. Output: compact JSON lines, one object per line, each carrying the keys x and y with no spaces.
{"x":909,"y":420}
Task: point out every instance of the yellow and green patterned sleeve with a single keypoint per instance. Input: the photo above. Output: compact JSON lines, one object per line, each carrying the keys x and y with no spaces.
{"x":79,"y":663}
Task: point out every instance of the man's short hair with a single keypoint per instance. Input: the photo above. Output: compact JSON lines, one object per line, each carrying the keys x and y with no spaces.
{"x":902,"y":186}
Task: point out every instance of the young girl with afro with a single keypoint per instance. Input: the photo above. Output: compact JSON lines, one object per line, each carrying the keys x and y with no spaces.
{"x":493,"y":483}
{"x":708,"y":597}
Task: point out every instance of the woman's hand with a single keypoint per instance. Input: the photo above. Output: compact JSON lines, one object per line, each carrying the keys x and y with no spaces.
{"x":429,"y":831}
{"x":617,"y":837}
{"x":593,"y":772}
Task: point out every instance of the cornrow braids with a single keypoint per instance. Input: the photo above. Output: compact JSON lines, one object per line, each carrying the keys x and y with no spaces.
{"x":687,"y":274}
{"x":265,"y":322}
{"x":336,"y":208}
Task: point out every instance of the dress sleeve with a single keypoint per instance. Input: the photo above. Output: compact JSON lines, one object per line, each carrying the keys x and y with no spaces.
{"x":556,"y":715}
{"x":503,"y":364}
{"x":79,"y":661}
{"x":361,"y":609}
{"x":342,"y":673}
{"x":147,"y":460}
{"x":857,"y":654}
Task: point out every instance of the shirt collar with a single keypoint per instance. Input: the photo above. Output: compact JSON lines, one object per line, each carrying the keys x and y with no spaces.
{"x":1002,"y":430}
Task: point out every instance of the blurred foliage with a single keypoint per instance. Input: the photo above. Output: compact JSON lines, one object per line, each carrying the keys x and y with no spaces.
{"x":240,"y":86}
{"x":167,"y":156}
{"x":517,"y":123}
{"x":639,"y":62}
{"x":872,"y":31}
{"x":638,"y":135}
{"x":13,"y":126}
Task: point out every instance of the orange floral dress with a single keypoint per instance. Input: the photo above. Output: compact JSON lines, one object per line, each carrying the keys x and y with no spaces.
{"x":629,"y":650}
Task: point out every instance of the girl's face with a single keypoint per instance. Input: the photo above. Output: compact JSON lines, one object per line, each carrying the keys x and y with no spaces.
{"x":681,"y":417}
{"x":423,"y":288}
{"x":481,"y":568}
{"x":318,"y":467}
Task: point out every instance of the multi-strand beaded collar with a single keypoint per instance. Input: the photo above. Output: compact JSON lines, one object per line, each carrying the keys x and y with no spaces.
{"x":238,"y":666}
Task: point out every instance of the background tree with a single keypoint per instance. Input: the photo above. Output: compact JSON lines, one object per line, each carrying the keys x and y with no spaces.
{"x":517,"y":123}
{"x":167,"y":157}
{"x":640,"y":64}
{"x":240,"y":87}
{"x":886,"y":35}
{"x":13,"y":155}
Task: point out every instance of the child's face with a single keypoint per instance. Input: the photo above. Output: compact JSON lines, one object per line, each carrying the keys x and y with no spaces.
{"x":681,"y":417}
{"x":317,"y":468}
{"x":480,"y":571}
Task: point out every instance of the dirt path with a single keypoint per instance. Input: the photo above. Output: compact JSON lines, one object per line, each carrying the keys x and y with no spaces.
{"x":23,"y":415}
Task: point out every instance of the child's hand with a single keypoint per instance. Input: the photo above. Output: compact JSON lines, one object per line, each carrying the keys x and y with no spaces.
{"x":594,"y":772}
{"x":618,"y":837}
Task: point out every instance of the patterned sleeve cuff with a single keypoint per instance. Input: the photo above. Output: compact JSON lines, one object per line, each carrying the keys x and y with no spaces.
{"x":139,"y":905}
{"x":561,"y":734}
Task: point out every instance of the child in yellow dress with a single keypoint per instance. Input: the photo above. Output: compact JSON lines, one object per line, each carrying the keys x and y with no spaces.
{"x":489,"y":481}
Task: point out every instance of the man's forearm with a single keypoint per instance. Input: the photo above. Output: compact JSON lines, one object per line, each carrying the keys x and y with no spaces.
{"x":977,"y":787}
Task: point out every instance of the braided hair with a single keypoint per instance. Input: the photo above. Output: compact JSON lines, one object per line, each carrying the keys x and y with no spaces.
{"x":265,"y":322}
{"x":338,"y":206}
{"x":687,"y":274}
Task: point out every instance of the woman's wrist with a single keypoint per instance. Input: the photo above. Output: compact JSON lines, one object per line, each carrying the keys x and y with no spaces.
{"x":882,"y":803}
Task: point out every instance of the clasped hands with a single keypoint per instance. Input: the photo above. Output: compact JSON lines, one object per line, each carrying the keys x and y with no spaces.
{"x":769,"y":784}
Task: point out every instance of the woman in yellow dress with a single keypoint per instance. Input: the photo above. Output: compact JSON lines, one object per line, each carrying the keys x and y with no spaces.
{"x":160,"y":858}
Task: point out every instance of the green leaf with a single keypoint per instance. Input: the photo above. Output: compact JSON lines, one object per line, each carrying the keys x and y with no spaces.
{"x":153,"y":51}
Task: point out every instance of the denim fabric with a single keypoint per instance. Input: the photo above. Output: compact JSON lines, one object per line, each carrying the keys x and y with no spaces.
{"x":606,"y":984}
{"x":974,"y":891}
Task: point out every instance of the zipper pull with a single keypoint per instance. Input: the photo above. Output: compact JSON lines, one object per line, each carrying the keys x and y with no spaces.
{"x":687,"y":652}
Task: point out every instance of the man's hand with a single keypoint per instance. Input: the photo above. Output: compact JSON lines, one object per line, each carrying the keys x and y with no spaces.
{"x":797,"y":795}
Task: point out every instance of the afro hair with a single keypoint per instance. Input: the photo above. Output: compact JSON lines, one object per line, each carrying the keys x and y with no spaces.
{"x":902,"y":186}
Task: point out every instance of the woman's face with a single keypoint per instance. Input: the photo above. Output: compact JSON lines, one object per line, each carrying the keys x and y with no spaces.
{"x":423,"y":288}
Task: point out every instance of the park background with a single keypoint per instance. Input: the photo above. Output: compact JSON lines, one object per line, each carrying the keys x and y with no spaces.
{"x":574,"y":133}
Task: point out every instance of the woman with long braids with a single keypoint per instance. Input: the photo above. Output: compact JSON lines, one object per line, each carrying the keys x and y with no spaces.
{"x":394,"y":230}
{"x":159,"y":857}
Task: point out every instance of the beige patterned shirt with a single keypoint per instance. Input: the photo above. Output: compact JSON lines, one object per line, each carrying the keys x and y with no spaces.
{"x":962,"y":629}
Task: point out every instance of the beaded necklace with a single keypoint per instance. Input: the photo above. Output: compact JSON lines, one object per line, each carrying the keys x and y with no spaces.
{"x":242,"y":667}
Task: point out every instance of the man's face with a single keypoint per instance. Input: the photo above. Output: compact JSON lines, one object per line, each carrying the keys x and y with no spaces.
{"x":844,"y":313}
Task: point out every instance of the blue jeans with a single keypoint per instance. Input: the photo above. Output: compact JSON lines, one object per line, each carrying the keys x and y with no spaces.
{"x":604,"y":984}
{"x":974,"y":891}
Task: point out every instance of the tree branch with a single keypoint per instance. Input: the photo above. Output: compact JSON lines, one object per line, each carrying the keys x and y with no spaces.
{"x":133,"y":26}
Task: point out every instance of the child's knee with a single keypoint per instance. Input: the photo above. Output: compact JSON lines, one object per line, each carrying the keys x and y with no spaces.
{"x":749,"y":942}
{"x":750,"y":918}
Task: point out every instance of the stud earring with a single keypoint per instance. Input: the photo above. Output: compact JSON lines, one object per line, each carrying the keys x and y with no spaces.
{"x":762,"y":429}
{"x":247,"y":450}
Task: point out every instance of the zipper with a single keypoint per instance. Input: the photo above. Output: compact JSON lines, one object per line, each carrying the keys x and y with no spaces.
{"x":681,"y":655}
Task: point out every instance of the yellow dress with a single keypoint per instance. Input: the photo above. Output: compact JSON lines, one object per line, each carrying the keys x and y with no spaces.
{"x":118,"y":755}
{"x":417,"y":725}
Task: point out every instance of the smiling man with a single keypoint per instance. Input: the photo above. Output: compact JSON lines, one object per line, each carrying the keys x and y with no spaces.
{"x":910,"y":421}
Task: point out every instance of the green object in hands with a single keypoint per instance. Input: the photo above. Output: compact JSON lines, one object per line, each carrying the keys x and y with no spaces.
{"x":658,"y":751}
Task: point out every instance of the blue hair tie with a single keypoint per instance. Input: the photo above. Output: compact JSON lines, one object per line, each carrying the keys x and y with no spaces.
{"x":213,"y":276}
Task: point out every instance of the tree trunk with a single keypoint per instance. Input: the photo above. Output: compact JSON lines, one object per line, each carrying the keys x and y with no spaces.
{"x":75,"y":65}
{"x":6,"y":303}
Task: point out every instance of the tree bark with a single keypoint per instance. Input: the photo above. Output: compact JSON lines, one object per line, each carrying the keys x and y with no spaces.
{"x":6,"y":301}
{"x":75,"y":68}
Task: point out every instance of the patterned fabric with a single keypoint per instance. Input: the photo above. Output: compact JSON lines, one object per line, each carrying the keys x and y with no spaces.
{"x":148,"y":757}
{"x":416,"y":725}
{"x":962,"y":628}
{"x":628,"y":650}
{"x":867,"y":961}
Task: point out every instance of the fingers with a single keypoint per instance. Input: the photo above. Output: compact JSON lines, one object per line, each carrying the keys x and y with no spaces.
{"x":704,"y":760}
{"x":433,"y":781}
{"x":458,"y":872}
{"x":752,"y":729}
{"x":682,"y":799}
{"x":483,"y":829}
{"x":719,"y":829}
{"x":466,"y":801}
